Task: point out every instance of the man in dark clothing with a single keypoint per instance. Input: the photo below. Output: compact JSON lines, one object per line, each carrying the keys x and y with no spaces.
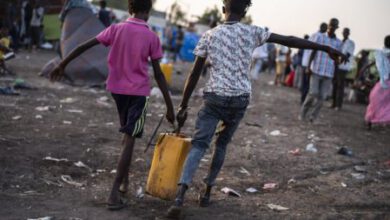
{"x":179,"y":41}
{"x":104,"y":14}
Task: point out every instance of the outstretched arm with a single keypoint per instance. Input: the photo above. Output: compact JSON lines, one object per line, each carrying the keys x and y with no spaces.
{"x":59,"y":71}
{"x":162,"y":84}
{"x":189,"y":88}
{"x":295,"y":42}
{"x":364,"y":69}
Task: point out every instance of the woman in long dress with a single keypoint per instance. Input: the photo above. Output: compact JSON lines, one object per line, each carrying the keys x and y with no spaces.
{"x":378,"y":110}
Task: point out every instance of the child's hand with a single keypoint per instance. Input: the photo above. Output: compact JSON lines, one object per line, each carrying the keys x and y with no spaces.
{"x":57,"y":73}
{"x":170,"y":116}
{"x":181,"y":117}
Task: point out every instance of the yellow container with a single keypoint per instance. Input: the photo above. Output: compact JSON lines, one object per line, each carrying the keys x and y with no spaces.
{"x":169,"y":156}
{"x":167,"y":69}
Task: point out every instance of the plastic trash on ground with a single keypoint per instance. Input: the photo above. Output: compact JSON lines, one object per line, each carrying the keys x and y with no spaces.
{"x":230,"y":192}
{"x":277,"y":207}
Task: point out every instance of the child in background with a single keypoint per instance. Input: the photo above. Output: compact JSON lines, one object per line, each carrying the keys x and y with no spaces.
{"x":132,"y":44}
{"x":227,"y":93}
{"x":4,"y":46}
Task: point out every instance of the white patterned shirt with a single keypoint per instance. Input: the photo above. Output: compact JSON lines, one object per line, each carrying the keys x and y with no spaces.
{"x":229,"y":48}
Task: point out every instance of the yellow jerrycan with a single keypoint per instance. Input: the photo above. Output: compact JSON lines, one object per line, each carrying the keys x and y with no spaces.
{"x":169,"y":156}
{"x":167,"y":69}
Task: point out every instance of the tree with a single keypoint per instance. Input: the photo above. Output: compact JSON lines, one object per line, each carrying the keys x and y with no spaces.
{"x":177,"y":15}
{"x":247,"y":20}
{"x":211,"y":14}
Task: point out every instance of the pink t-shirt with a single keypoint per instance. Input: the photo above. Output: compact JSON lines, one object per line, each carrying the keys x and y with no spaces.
{"x":132,"y":43}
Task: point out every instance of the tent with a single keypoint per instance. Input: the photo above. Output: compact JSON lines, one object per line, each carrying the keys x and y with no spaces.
{"x":90,"y":69}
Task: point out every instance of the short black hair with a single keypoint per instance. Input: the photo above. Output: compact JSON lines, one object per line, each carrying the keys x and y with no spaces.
{"x":103,"y":3}
{"x":136,"y":6}
{"x":239,"y":7}
{"x":387,"y":41}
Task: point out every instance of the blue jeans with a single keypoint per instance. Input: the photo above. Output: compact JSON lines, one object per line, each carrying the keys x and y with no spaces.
{"x":229,"y":110}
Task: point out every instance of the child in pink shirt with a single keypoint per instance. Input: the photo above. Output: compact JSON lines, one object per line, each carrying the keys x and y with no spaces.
{"x":132,"y":44}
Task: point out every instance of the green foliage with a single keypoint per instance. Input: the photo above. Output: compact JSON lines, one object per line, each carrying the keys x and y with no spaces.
{"x":176,"y":15}
{"x":247,"y":20}
{"x":209,"y":14}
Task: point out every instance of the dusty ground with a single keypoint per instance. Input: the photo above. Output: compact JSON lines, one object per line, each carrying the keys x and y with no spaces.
{"x":32,"y":187}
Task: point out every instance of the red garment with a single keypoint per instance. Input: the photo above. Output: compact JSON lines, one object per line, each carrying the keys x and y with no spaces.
{"x":290,"y":79}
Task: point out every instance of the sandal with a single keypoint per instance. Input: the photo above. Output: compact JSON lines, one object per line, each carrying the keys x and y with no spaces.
{"x":122,"y":204}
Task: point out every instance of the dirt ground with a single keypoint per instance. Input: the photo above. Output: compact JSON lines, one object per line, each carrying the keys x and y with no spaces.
{"x":321,"y":185}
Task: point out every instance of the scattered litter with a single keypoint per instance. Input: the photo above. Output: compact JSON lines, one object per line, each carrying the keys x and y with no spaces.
{"x":68,"y":100}
{"x":47,"y":46}
{"x":139,"y":160}
{"x":109,"y":123}
{"x":38,"y":117}
{"x":140,"y":193}
{"x":100,"y":171}
{"x":42,"y":218}
{"x":360,"y":169}
{"x":295,"y":152}
{"x":149,"y":115}
{"x":113,"y":171}
{"x":68,"y":179}
{"x":254,"y":125}
{"x":49,"y":182}
{"x":82,"y":165}
{"x":244,"y":171}
{"x":323,"y":172}
{"x":8,"y":91}
{"x":17,"y":117}
{"x":103,"y":101}
{"x":271,"y":83}
{"x":56,"y":159}
{"x":313,"y":137}
{"x":291,"y":181}
{"x":230,"y":192}
{"x":269,"y":186}
{"x":358,"y":176}
{"x":42,"y":108}
{"x":277,"y":207}
{"x":67,"y":122}
{"x":311,"y":148}
{"x":156,"y":92}
{"x":344,"y":185}
{"x":277,"y":133}
{"x":251,"y":190}
{"x":345,"y":151}
{"x":78,"y":111}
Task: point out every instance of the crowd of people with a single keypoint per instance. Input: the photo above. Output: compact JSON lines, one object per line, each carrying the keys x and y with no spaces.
{"x":316,"y":75}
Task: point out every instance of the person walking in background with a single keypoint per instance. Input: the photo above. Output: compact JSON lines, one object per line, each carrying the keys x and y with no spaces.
{"x":378,"y":110}
{"x":36,"y":25}
{"x":26,"y":16}
{"x":178,"y":42}
{"x":259,"y":58}
{"x":299,"y":67}
{"x":104,"y":15}
{"x":322,"y":68}
{"x":305,"y":84}
{"x":348,"y":48}
{"x":281,"y":59}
